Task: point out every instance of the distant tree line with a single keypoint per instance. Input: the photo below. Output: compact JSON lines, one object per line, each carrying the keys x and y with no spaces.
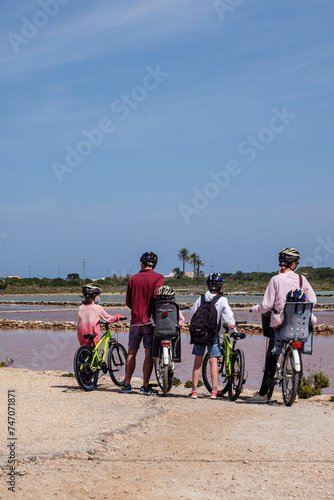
{"x":321,"y":277}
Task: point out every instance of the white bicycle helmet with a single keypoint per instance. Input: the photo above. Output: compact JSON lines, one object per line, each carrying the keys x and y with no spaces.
{"x":287,"y":256}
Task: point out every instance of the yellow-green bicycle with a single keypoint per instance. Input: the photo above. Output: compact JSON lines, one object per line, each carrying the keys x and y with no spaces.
{"x":231,"y":365}
{"x":88,"y":362}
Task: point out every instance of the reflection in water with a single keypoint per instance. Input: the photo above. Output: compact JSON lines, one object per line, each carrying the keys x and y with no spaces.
{"x":54,"y":350}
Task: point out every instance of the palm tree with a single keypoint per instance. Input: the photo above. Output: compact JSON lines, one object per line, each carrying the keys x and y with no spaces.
{"x":184,"y":256}
{"x":199,"y":264}
{"x":193,"y":258}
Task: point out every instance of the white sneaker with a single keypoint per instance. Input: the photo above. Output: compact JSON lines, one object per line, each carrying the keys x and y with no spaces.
{"x":258,"y":399}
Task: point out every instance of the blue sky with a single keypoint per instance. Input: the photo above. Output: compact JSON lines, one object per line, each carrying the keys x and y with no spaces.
{"x":145,"y":125}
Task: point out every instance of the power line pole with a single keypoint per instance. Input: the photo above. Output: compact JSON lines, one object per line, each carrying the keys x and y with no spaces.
{"x":212,"y":267}
{"x":84,"y":268}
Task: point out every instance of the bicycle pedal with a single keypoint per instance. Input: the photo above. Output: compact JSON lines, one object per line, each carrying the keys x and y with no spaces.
{"x":104,"y":367}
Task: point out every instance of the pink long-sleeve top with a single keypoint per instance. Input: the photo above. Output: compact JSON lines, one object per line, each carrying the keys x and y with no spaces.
{"x":277,"y":289}
{"x":181,"y":320}
{"x":89,"y":316}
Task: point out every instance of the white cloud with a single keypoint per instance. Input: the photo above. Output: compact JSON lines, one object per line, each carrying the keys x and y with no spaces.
{"x":101,"y":29}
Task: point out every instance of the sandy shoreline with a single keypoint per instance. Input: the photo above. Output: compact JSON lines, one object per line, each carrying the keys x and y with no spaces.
{"x":105,"y":444}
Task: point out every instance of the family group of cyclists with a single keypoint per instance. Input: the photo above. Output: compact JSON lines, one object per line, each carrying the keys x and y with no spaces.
{"x":147,"y":286}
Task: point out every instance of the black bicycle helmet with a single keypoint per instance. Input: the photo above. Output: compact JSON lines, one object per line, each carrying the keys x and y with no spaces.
{"x":296,"y":295}
{"x":91,"y":289}
{"x":215,"y":281}
{"x":287,"y":256}
{"x":165,"y":293}
{"x":149,"y":259}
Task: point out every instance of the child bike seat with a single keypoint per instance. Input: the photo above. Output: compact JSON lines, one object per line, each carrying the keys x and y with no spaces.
{"x":296,"y":326}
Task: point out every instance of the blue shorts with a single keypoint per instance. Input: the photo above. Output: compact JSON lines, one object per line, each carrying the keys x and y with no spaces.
{"x":138,"y":333}
{"x":213,"y":350}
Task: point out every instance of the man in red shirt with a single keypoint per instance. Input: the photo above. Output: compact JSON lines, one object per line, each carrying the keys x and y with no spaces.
{"x":140,"y":297}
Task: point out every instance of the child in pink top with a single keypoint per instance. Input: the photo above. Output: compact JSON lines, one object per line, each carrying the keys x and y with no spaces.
{"x":90,"y":314}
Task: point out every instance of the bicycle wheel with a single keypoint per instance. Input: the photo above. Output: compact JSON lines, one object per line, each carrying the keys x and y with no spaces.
{"x":290,"y":379}
{"x":165,"y":384}
{"x":206,"y":373}
{"x":164,"y":373}
{"x":237,"y":374}
{"x":86,"y":377}
{"x":117,"y":356}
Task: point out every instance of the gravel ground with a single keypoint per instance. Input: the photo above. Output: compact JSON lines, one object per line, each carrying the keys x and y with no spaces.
{"x":103,"y":444}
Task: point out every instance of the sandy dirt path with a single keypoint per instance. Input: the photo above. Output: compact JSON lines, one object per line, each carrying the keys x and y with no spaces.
{"x":101,"y":445}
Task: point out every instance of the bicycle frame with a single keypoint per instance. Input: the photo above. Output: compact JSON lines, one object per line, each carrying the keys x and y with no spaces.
{"x":296,"y":358}
{"x":228,"y":349}
{"x":166,"y":349}
{"x":98,"y":361}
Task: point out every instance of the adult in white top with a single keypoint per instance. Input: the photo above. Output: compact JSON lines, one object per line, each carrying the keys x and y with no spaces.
{"x":274,"y":299}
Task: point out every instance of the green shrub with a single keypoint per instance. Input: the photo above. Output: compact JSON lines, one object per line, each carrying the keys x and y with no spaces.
{"x":67,"y":375}
{"x":332,"y":398}
{"x":313,"y":384}
{"x":189,"y":384}
{"x":8,"y":362}
{"x":176,"y":381}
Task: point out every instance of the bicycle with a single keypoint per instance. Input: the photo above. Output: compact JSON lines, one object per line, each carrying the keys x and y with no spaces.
{"x":293,"y":337}
{"x":231,"y":365}
{"x":287,"y":373}
{"x":88,"y":362}
{"x":166,"y":346}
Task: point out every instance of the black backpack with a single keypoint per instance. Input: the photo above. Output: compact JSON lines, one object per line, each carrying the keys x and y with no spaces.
{"x":204,"y":327}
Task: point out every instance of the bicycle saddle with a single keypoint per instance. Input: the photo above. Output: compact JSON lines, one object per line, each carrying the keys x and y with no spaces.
{"x":238,"y":335}
{"x":90,"y":336}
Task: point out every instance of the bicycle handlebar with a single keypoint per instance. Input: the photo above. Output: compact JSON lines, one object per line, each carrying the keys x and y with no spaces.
{"x":107,"y":323}
{"x":225,"y":325}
